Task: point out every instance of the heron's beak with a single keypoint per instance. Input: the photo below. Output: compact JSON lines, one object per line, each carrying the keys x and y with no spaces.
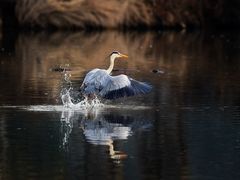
{"x":124,"y":56}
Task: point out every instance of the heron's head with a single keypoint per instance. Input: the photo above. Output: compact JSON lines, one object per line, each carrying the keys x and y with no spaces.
{"x":116,"y":54}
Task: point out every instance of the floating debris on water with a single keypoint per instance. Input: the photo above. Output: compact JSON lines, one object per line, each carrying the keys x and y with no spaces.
{"x":158,"y":71}
{"x":60,"y":69}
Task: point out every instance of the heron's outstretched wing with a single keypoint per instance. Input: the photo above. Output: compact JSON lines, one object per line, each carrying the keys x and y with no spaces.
{"x":121,"y":86}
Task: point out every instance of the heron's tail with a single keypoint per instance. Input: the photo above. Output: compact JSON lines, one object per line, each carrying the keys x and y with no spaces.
{"x":140,"y":87}
{"x":135,"y":88}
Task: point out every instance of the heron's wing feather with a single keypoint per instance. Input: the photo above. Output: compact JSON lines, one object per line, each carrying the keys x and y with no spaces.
{"x":93,"y":81}
{"x":90,"y":76}
{"x":121,"y":86}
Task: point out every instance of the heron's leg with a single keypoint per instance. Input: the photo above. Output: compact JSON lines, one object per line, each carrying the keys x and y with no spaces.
{"x":91,"y":96}
{"x":94,"y":96}
{"x":92,"y":99}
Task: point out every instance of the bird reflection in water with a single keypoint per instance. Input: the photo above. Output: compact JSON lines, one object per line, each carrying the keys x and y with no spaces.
{"x":102,"y":128}
{"x":101,"y":132}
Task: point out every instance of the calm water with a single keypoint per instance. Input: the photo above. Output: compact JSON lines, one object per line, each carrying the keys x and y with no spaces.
{"x":188,"y":127}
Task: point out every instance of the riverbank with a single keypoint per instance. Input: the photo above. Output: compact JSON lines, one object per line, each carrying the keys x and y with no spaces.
{"x":115,"y":14}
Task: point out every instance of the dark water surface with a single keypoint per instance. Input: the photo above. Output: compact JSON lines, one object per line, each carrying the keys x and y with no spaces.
{"x":188,"y":127}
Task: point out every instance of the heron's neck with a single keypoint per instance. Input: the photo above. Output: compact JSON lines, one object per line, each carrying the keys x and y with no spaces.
{"x":109,"y":70}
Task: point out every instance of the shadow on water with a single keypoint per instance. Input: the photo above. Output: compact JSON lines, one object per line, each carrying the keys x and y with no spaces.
{"x":190,"y":131}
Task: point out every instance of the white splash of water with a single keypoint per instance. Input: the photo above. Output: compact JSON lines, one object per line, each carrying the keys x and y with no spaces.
{"x":68,"y":101}
{"x":83,"y":104}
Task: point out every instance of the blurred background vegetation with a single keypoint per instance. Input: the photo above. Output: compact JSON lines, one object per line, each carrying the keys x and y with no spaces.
{"x":83,"y":14}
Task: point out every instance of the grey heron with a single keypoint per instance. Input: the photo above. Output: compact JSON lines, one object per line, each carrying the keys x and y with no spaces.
{"x":99,"y":82}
